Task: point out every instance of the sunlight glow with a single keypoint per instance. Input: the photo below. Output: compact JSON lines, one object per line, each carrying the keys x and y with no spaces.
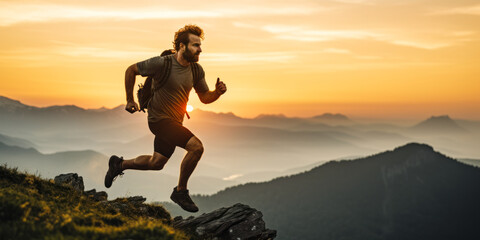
{"x":271,"y":54}
{"x":232,"y":177}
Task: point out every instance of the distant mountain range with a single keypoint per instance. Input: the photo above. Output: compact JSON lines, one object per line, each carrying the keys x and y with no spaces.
{"x":473,"y":162}
{"x":88,"y":163}
{"x":230,"y":140}
{"x":16,"y":115}
{"x":13,"y":141}
{"x":237,"y":150}
{"x":438,"y":125}
{"x":93,"y":166}
{"x":410,"y":193}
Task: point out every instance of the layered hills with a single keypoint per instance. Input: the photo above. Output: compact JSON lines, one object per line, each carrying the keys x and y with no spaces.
{"x":93,"y":166}
{"x":55,"y":139}
{"x":412,"y":192}
{"x":438,"y":125}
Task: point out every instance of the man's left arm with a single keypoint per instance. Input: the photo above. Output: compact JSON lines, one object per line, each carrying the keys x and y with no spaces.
{"x":212,"y":96}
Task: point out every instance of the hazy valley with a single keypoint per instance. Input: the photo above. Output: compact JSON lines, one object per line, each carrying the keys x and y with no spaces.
{"x":60,"y":139}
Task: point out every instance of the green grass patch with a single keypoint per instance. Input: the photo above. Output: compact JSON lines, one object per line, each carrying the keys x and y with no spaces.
{"x":35,"y":208}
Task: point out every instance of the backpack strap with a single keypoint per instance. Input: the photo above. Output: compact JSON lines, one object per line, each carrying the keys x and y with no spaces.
{"x":162,"y":75}
{"x":146,"y":91}
{"x":195,"y":72}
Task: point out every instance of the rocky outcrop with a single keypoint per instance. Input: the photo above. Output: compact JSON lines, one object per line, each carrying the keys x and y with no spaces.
{"x":236,"y":222}
{"x":76,"y":182}
{"x":97,"y":196}
{"x":71,"y":179}
{"x":127,"y":205}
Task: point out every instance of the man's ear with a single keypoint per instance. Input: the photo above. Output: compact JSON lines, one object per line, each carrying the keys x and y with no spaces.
{"x":182,"y":46}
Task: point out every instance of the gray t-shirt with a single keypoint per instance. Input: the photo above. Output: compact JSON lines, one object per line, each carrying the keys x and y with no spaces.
{"x":170,"y":100}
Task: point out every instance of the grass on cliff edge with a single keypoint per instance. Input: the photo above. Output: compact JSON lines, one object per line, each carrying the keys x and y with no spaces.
{"x":34,"y":208}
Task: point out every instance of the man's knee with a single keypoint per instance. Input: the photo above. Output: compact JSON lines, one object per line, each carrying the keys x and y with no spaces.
{"x":198,"y":149}
{"x":195,"y":145}
{"x":157,"y":165}
{"x":158,"y":161}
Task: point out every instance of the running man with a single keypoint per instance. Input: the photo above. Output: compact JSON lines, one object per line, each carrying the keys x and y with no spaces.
{"x":166,"y":112}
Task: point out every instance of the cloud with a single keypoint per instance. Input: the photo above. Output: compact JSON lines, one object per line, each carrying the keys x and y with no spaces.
{"x":303,"y":34}
{"x":423,"y":45}
{"x":463,"y":33}
{"x":232,"y":177}
{"x":248,"y":58}
{"x":62,"y":51}
{"x":13,"y":13}
{"x":69,"y":52}
{"x":308,"y":35}
{"x":243,"y":25}
{"x":470,"y":10}
{"x":369,"y":2}
{"x":99,"y":52}
{"x":369,"y":57}
{"x":337,"y":50}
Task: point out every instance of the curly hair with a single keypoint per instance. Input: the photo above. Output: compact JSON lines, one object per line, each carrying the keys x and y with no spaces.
{"x":181,"y":36}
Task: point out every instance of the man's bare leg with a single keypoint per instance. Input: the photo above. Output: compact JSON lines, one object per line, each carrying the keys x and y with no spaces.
{"x":195,"y":150}
{"x":146,"y":162}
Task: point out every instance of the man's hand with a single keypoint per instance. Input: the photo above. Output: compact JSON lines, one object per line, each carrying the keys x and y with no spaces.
{"x":220,"y":87}
{"x":132,"y":107}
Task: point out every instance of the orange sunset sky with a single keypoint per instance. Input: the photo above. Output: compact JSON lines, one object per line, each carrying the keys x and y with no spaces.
{"x":362,"y":58}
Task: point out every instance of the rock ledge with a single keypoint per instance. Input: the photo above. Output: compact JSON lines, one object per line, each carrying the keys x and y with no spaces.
{"x":237,"y":222}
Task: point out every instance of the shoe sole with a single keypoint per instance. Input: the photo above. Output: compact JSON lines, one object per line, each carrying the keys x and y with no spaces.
{"x":110,"y":165}
{"x":188,"y":210}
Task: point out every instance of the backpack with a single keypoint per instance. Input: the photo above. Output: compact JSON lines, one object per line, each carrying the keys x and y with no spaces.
{"x":146,"y":90}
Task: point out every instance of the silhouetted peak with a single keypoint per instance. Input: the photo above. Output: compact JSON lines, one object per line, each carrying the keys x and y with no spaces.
{"x":439,"y":119}
{"x":6,"y":100}
{"x":120,"y":109}
{"x":271,"y":116}
{"x":414,"y":147}
{"x":439,"y":124}
{"x":442,"y":118}
{"x":102,"y":109}
{"x":411,"y":192}
{"x":5,"y":148}
{"x":331,"y":116}
{"x":10,"y":103}
{"x":408,"y":154}
{"x":199,"y":112}
{"x":65,"y":108}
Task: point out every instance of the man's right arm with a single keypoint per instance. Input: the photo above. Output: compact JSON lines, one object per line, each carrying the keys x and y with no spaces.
{"x":130,"y":75}
{"x":145,"y":68}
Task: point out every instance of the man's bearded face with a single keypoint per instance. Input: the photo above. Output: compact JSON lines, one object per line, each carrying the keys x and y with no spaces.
{"x":191,"y":55}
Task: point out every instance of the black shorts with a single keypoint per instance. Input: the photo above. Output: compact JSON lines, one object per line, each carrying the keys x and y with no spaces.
{"x":169,"y":134}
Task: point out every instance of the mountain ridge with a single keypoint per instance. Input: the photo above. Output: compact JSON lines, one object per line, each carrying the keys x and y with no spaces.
{"x":439,"y":125}
{"x":376,"y":197}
